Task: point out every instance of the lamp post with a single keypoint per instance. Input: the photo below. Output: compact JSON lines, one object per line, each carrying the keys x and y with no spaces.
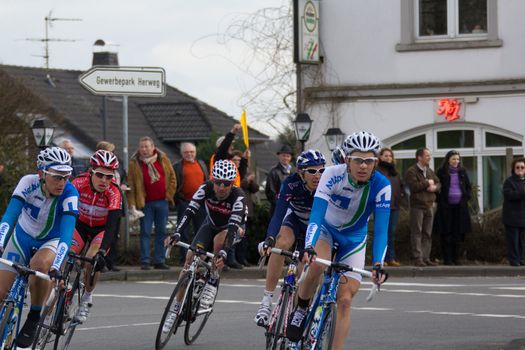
{"x":303,"y":124}
{"x":42,"y":132}
{"x":334,"y":137}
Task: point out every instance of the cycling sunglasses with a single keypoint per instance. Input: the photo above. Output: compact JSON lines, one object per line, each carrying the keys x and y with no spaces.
{"x":226,"y":183}
{"x":360,"y":160}
{"x":315,"y":171}
{"x":57,"y":177}
{"x":101,"y":175}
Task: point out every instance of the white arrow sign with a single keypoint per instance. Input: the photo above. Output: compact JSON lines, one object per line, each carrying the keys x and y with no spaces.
{"x":125,"y":81}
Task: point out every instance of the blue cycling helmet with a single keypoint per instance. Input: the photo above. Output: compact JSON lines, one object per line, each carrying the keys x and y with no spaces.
{"x":310,"y":158}
{"x":338,"y":156}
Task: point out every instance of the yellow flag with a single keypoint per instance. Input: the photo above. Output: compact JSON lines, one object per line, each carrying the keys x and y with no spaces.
{"x":244,"y":125}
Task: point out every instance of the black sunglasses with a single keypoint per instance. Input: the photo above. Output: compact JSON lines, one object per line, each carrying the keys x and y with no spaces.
{"x":226,"y":183}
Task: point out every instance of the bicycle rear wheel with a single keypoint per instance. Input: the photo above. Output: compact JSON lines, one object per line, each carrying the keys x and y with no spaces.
{"x":7,"y":328}
{"x":275,"y":337}
{"x":326,"y":336}
{"x":163,"y":337}
{"x":70,"y":309}
{"x":197,"y":318}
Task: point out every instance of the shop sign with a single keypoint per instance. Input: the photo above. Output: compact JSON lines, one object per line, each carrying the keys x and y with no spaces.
{"x":449,"y":108}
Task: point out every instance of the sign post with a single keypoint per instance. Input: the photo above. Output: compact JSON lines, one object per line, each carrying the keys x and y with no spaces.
{"x":125,"y":81}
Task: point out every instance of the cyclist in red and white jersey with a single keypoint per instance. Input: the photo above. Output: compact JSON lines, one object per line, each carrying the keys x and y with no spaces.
{"x":100,"y":205}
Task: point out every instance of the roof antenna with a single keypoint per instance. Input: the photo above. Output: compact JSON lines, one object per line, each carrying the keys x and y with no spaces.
{"x":49,"y":19}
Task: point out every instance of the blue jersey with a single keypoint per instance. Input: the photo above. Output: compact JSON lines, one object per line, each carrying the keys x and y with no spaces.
{"x":293,"y":197}
{"x":40,"y":217}
{"x":345,"y":207}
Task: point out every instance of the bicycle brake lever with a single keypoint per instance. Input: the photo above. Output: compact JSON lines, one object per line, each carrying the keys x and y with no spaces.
{"x":262,"y":261}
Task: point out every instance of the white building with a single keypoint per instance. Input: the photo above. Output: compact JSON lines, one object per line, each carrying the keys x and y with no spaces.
{"x":389,"y":67}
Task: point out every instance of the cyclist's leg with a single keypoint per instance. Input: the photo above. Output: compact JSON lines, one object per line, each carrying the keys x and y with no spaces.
{"x":352,"y":253}
{"x":285,"y":240}
{"x":94,"y":246}
{"x":7,"y":273}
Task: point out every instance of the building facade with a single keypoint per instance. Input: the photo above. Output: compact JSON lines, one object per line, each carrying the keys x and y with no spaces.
{"x":444,"y":74}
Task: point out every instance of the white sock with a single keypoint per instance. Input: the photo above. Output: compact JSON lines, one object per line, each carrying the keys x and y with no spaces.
{"x":267,"y":298}
{"x":87,"y":296}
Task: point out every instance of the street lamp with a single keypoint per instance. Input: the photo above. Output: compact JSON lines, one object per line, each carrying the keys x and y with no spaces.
{"x":303,"y":124}
{"x":334,"y":137}
{"x":42,"y":132}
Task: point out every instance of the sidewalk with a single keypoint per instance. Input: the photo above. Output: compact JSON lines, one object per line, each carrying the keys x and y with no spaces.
{"x":134,"y":273}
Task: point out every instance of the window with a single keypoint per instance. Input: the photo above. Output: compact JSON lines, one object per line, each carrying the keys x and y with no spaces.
{"x":495,"y":140}
{"x":451,"y":18}
{"x":448,"y":24}
{"x":413,"y":143}
{"x":455,"y":139}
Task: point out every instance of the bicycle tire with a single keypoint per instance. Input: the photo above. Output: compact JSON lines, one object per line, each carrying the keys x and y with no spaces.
{"x":70,"y":310}
{"x":7,"y":339}
{"x":184,"y":282}
{"x":277,"y":336}
{"x":193,"y":317}
{"x":327,"y":329}
{"x":43,"y":331}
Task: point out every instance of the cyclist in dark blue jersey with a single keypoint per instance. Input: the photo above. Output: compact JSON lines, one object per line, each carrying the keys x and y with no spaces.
{"x":346,"y":197}
{"x":289,"y":221}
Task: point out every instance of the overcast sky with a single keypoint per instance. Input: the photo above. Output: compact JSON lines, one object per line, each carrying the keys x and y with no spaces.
{"x":178,"y":35}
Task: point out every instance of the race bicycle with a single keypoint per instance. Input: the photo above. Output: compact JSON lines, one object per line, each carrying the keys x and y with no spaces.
{"x":190,"y":286}
{"x":13,"y":304}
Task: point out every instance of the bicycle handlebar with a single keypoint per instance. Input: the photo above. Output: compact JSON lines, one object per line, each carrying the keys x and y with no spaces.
{"x":187,"y":246}
{"x":24,"y":270}
{"x":293,"y":256}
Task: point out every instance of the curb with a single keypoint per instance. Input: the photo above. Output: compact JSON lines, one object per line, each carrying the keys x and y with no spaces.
{"x":134,"y":273}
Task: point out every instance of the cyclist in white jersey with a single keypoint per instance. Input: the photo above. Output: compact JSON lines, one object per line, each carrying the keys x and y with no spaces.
{"x":41,"y":216}
{"x":346,"y":197}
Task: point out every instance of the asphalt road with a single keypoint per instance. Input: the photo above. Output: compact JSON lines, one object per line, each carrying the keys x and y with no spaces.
{"x":409,"y":313}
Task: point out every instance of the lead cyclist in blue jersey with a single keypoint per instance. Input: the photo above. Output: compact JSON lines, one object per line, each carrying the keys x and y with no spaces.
{"x":41,"y":215}
{"x":289,"y":221}
{"x":346,"y":197}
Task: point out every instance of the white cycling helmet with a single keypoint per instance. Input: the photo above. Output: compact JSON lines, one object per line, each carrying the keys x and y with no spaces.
{"x":362,"y":141}
{"x":54,"y":158}
{"x":224,"y":170}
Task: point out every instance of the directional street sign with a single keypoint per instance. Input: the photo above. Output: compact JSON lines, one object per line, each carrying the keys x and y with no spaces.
{"x":125,"y":81}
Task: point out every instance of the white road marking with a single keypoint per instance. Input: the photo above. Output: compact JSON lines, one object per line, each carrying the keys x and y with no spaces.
{"x":117,"y":326}
{"x":465,"y":314}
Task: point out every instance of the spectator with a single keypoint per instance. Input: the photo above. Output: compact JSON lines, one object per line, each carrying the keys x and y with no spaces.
{"x":424,"y":185}
{"x":153,"y":185}
{"x":250,"y":187}
{"x":225,"y":151}
{"x":120,"y":179}
{"x":191,"y":173}
{"x":514,"y":212}
{"x":277,"y":174}
{"x":453,"y":217}
{"x":387,"y":167}
{"x":79,"y":165}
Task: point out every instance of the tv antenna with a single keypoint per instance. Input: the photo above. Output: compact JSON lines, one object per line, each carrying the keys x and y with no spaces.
{"x":49,"y":19}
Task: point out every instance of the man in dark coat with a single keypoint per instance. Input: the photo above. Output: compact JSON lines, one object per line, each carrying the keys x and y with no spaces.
{"x":277,"y":174}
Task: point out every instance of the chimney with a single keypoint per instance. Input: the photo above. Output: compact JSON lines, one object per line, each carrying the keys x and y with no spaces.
{"x":102,"y":56}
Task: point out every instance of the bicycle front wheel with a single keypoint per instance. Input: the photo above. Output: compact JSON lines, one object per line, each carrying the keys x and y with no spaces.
{"x":326,"y":335}
{"x":44,"y":335}
{"x":7,"y":326}
{"x":69,"y":311}
{"x":197,"y":317}
{"x":275,"y":337}
{"x":166,"y":330}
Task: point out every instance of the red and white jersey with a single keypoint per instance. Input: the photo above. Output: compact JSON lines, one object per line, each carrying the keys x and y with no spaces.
{"x":94,"y":206}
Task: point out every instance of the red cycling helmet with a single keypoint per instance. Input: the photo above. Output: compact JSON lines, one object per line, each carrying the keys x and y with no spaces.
{"x":104,"y":159}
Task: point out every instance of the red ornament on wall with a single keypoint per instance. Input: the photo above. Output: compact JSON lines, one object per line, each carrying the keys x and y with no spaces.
{"x":449,"y":109}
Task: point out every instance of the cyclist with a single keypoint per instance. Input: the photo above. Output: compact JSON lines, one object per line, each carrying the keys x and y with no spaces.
{"x":338,"y":156}
{"x":41,"y":215}
{"x":289,"y":221}
{"x":99,"y":212}
{"x":225,"y":215}
{"x":346,"y":197}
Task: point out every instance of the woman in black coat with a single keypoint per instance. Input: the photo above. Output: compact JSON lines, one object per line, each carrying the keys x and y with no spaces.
{"x":453,"y":217}
{"x":513,"y":214}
